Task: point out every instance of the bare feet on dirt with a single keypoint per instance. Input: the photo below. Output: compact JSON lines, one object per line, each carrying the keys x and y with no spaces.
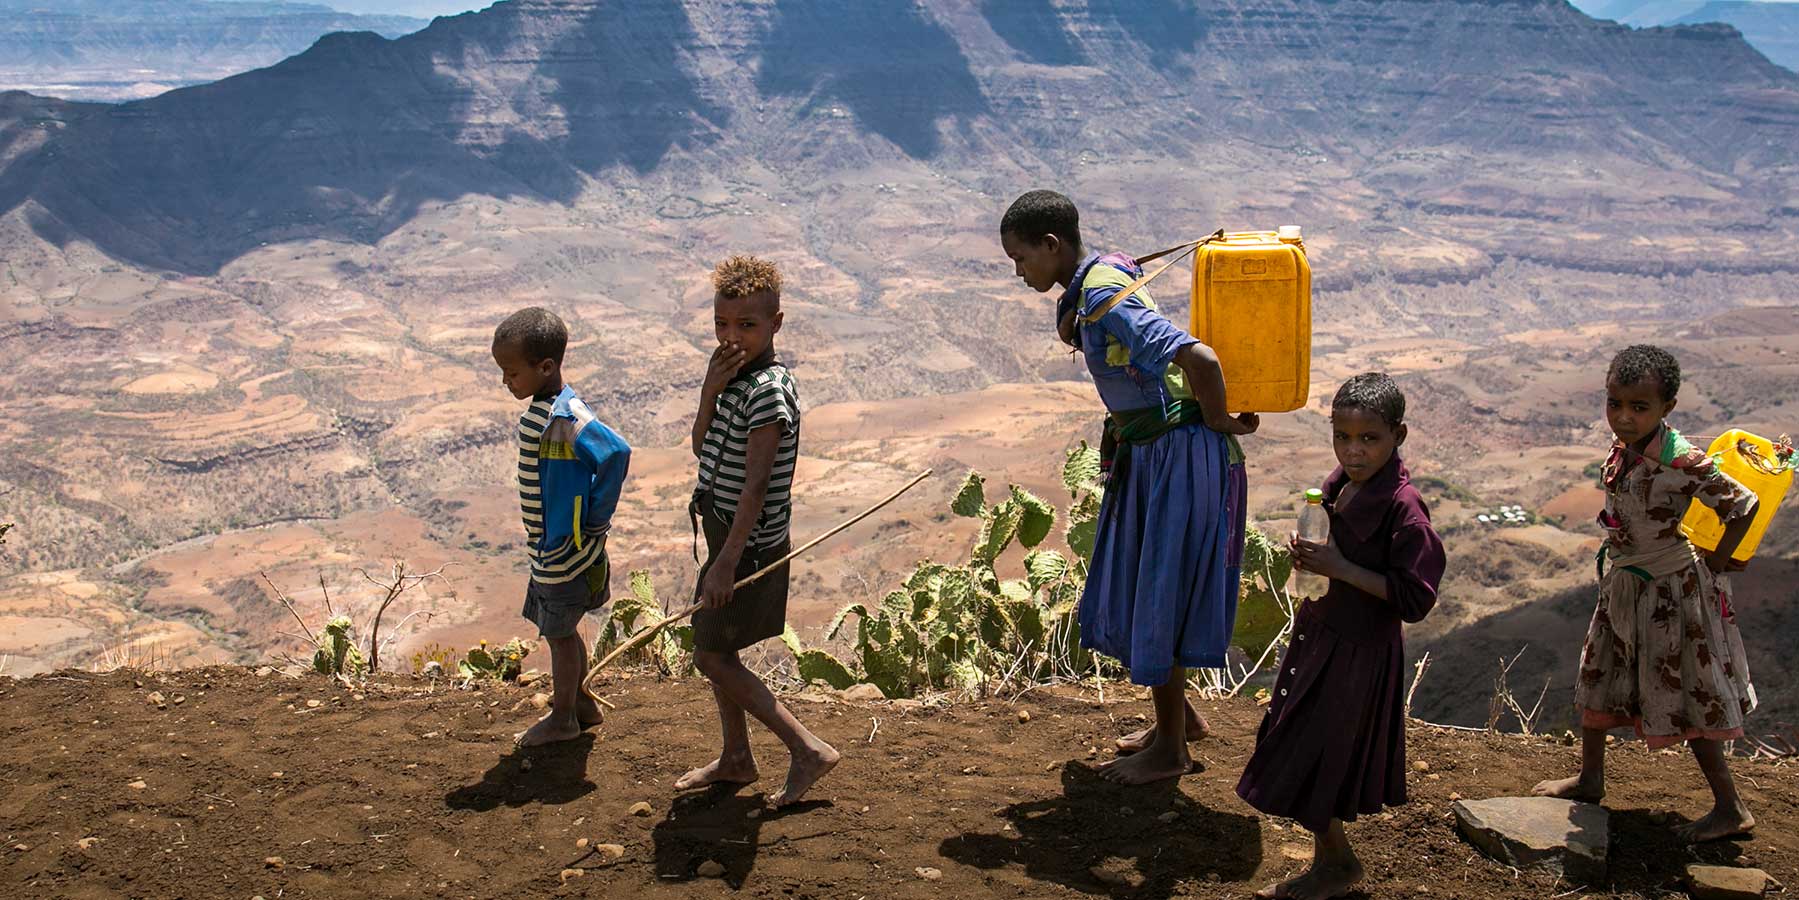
{"x":1156,"y":763}
{"x":1135,"y":742}
{"x":1323,"y":881}
{"x":719,"y":771}
{"x":550,"y":729}
{"x":588,"y":711}
{"x":807,"y":768}
{"x":1571,"y":789}
{"x":1717,"y":825}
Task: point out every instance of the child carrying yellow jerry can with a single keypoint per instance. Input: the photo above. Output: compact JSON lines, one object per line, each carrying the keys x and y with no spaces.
{"x":1763,"y":466}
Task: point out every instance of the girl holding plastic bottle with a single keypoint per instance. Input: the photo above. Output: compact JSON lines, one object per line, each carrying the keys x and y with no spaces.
{"x":1332,"y":745}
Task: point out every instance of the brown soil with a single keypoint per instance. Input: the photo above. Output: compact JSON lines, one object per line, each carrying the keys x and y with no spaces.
{"x":410,"y":790}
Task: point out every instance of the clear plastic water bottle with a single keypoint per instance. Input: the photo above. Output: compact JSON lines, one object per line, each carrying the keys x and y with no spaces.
{"x":1314,"y":527}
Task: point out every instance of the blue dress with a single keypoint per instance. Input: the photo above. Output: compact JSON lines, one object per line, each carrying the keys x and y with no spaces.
{"x":1162,"y":587}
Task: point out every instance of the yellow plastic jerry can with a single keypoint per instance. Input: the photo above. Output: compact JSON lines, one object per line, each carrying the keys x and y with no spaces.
{"x":1252,"y":304}
{"x":1762,"y":467}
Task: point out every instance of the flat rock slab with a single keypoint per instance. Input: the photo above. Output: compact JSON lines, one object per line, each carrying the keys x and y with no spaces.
{"x":1725,"y":883}
{"x":1561,"y":837}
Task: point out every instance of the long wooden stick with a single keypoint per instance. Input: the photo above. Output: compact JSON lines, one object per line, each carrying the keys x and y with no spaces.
{"x":644,"y":636}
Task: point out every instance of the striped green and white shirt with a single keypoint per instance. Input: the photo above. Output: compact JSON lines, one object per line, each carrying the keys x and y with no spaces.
{"x":562,"y":563}
{"x":766,"y":397}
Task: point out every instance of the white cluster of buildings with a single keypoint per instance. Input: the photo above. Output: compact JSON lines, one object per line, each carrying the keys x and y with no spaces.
{"x":1505,"y":515}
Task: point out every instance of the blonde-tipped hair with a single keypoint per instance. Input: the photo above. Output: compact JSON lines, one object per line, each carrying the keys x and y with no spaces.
{"x":743,"y":275}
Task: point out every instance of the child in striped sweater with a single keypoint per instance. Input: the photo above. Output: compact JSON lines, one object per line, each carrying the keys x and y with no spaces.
{"x":747,"y":437}
{"x":571,"y":469}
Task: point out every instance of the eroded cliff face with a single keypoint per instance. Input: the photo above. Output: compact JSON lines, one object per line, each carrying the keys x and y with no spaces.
{"x":538,"y":97}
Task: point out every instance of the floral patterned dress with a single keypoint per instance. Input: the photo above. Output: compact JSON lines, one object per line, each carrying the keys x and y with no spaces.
{"x":1663,"y":654}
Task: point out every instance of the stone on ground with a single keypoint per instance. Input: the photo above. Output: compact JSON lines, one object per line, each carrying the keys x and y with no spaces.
{"x":863,"y":693}
{"x":1725,"y":883}
{"x":1562,"y":837}
{"x":1117,"y":877}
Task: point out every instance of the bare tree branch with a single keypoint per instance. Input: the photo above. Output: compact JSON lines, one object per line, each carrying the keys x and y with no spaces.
{"x":327,"y":593}
{"x":1418,"y":670}
{"x":282,"y":599}
{"x":392,"y":590}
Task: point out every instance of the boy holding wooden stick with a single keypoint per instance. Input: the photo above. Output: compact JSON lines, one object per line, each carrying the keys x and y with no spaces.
{"x":746,"y":437}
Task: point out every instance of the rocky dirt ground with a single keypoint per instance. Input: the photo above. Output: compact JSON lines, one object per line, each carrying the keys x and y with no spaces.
{"x":242,"y":784}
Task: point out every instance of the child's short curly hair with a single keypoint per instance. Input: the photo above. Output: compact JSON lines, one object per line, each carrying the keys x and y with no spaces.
{"x":540,"y":333}
{"x":1037,"y":214}
{"x":1640,"y":361}
{"x":1373,"y":392}
{"x":743,"y":275}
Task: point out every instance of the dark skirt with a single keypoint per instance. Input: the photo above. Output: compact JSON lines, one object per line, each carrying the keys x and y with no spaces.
{"x":1162,"y":590}
{"x":1332,"y":745}
{"x":757,"y":611}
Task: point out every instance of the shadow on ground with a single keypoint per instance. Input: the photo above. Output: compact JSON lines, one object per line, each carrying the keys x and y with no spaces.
{"x":552,"y":775}
{"x":1098,"y":837}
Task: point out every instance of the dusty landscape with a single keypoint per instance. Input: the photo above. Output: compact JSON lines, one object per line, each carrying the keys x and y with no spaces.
{"x":246,"y":323}
{"x":242,"y":785}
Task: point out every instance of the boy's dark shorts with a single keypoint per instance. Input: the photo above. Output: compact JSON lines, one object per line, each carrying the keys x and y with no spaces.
{"x":757,"y":611}
{"x":556,"y":609}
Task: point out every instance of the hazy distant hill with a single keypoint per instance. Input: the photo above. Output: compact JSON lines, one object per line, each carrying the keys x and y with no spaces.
{"x":1640,"y":13}
{"x":118,"y":49}
{"x":424,"y":9}
{"x":1771,"y":27}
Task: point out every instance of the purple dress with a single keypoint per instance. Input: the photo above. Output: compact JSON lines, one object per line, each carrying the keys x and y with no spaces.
{"x":1332,"y":745}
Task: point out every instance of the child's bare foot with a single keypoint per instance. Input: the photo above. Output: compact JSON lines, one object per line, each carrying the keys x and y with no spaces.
{"x":1155,"y":763}
{"x":720,"y":771}
{"x":548,"y":730}
{"x":1323,"y":881}
{"x":1575,"y":788}
{"x":1717,"y":825}
{"x":1281,"y":889}
{"x":807,"y":768}
{"x":587,"y":709}
{"x":1197,"y":730}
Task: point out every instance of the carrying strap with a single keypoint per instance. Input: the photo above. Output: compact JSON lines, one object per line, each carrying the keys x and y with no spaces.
{"x":1143,"y":426}
{"x":1185,"y":250}
{"x":1605,"y":554}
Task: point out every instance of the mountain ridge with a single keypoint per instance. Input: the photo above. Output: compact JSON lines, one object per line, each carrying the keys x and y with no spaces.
{"x":534,"y":96}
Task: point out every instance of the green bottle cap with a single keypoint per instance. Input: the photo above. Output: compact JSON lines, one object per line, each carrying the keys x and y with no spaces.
{"x":1314,"y":495}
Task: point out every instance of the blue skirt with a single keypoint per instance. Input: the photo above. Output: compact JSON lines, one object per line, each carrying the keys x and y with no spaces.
{"x":1162,"y":589}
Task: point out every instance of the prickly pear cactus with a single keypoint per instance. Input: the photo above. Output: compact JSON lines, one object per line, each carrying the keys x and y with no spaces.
{"x":965,"y":627}
{"x":670,"y":651}
{"x":337,"y":653}
{"x":1263,"y":608}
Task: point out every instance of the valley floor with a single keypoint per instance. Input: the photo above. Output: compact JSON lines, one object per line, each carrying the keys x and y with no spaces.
{"x":244,"y":785}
